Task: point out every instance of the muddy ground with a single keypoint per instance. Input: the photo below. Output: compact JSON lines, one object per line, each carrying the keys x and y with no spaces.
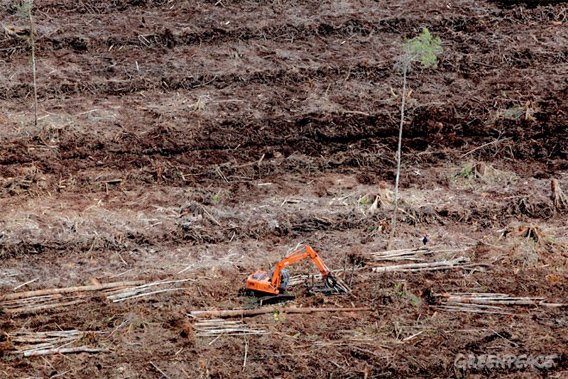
{"x":204,"y":140}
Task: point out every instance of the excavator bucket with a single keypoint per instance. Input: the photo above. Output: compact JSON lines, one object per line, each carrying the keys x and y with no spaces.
{"x":331,"y":285}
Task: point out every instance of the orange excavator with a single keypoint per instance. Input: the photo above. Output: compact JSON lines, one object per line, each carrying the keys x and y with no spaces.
{"x":277,"y":281}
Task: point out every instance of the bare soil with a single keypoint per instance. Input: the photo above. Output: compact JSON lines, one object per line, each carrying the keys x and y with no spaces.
{"x":208,"y":139}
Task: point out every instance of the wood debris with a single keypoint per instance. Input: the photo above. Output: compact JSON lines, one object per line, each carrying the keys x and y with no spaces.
{"x":145,"y":290}
{"x":484,"y":302}
{"x":265,"y":310}
{"x":530,"y":232}
{"x":403,"y":254}
{"x":304,"y":278}
{"x":97,"y":287}
{"x":215,"y":327}
{"x":425,"y":258}
{"x":41,"y":300}
{"x":459,"y":262}
{"x":29,"y":344}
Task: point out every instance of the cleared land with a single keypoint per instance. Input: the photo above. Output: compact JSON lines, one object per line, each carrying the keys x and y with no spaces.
{"x":185,"y":144}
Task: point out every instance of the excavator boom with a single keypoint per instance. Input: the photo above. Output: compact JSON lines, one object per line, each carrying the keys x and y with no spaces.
{"x":296,"y":257}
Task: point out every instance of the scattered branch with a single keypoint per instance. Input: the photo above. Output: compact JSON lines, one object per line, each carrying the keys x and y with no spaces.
{"x":483,"y":146}
{"x":159,"y":370}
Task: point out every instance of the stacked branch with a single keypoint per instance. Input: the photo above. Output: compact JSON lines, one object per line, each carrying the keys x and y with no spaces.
{"x":423,"y":259}
{"x":460,"y":262}
{"x":215,"y":327}
{"x":28,"y":344}
{"x":484,"y":302}
{"x":418,"y":255}
{"x":41,"y":300}
{"x":34,"y":304}
{"x":144,"y":290}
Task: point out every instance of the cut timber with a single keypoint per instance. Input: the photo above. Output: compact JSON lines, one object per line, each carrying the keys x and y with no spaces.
{"x":215,"y":327}
{"x":485,"y":302}
{"x":29,"y":344}
{"x":459,"y":262}
{"x":20,"y":295}
{"x":144,"y":290}
{"x":68,"y":350}
{"x":415,"y":254}
{"x":474,"y":308}
{"x":33,"y":309}
{"x":491,"y":299}
{"x":260,"y":311}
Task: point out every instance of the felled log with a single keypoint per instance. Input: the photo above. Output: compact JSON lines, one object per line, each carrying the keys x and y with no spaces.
{"x":264,"y":310}
{"x":66,"y":350}
{"x":20,"y":295}
{"x":431,"y":266}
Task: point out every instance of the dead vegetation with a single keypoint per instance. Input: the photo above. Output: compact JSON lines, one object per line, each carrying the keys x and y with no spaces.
{"x":559,"y":199}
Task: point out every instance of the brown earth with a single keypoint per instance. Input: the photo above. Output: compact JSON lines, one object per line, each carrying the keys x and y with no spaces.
{"x":205,"y":140}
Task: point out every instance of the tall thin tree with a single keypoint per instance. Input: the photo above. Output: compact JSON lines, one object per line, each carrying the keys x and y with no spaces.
{"x":425,"y":49}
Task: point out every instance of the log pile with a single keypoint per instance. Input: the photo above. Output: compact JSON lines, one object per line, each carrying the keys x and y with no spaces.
{"x":460,"y":262}
{"x":29,"y":344}
{"x":216,"y":327}
{"x":494,"y":303}
{"x":41,"y":300}
{"x":48,"y":299}
{"x":144,"y":290}
{"x":423,"y":259}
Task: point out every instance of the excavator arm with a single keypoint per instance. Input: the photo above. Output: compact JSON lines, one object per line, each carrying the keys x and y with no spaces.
{"x":296,"y":257}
